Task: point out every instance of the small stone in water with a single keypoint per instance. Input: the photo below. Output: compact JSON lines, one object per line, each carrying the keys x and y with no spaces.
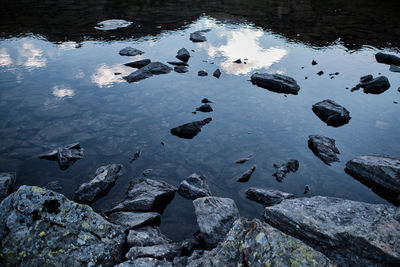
{"x":306,"y":189}
{"x":314,"y":62}
{"x":320,"y":73}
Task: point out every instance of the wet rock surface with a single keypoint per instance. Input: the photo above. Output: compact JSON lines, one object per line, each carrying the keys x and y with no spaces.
{"x":146,"y":236}
{"x":350,"y":233}
{"x":40,"y":227}
{"x":253,"y":243}
{"x":194,"y":186}
{"x":101,"y":184}
{"x":161,"y":252}
{"x":183,"y":55}
{"x":202,"y":73}
{"x":204,"y":108}
{"x":331,"y":113}
{"x":139,"y":63}
{"x":394,"y":68}
{"x":65,"y":155}
{"x":245,"y":177}
{"x":374,"y":86}
{"x":217,"y":73}
{"x":190,"y":130}
{"x":387,"y":59}
{"x":324,"y":148}
{"x":181,"y":69}
{"x":130,"y":51}
{"x":134,"y":219}
{"x":267,"y":197}
{"x":7,"y":180}
{"x":198,"y":36}
{"x":145,"y":262}
{"x":153,"y":68}
{"x":276,"y":83}
{"x":283,"y":169}
{"x":178,"y":63}
{"x":215,"y":217}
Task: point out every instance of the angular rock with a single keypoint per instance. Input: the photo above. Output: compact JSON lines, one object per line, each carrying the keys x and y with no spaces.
{"x":276,"y":83}
{"x":246,"y":175}
{"x":7,"y":180}
{"x":374,"y":86}
{"x":100,"y":185}
{"x":331,"y":113}
{"x":381,"y":172}
{"x":394,"y":68}
{"x":112,"y":24}
{"x":145,"y":262}
{"x":204,"y":108}
{"x":134,"y":219}
{"x":39,"y":227}
{"x":189,"y":245}
{"x":139,"y":63}
{"x":53,"y":185}
{"x":194,"y":186}
{"x":215,"y":217}
{"x":217,"y":73}
{"x":146,"y":236}
{"x":314,"y":63}
{"x":253,"y":243}
{"x":267,"y":197}
{"x":242,"y":160}
{"x":181,"y":69}
{"x":387,"y":59}
{"x":350,"y":233}
{"x":190,"y":130}
{"x":238,"y":61}
{"x":202,"y":73}
{"x":153,"y":68}
{"x":161,"y":252}
{"x":324,"y":148}
{"x":129,"y":51}
{"x":320,"y":73}
{"x":183,"y":55}
{"x":198,"y":36}
{"x":65,"y":155}
{"x":281,"y":170}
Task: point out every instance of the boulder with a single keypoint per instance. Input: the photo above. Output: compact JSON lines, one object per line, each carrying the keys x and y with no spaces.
{"x":134,"y":219}
{"x":194,"y":186}
{"x":7,"y":180}
{"x":215,"y":217}
{"x":153,"y":68}
{"x":139,"y":63}
{"x":202,"y":73}
{"x":65,"y":155}
{"x":276,"y":83}
{"x":331,"y":113}
{"x":374,"y":86}
{"x":324,"y":148}
{"x":190,"y":130}
{"x":183,"y":55}
{"x":145,"y":262}
{"x":146,"y":236}
{"x":181,"y":69}
{"x":267,"y":197}
{"x":281,"y":170}
{"x":217,"y":73}
{"x":204,"y":108}
{"x":198,"y":36}
{"x":350,"y":233}
{"x":39,"y":227}
{"x":129,"y":51}
{"x":104,"y":179}
{"x":253,"y":243}
{"x":166,"y":252}
{"x":245,"y":177}
{"x":387,"y":59}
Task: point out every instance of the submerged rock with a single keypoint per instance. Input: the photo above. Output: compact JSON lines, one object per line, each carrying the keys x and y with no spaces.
{"x":139,"y":63}
{"x":217,"y":73}
{"x":194,"y":186}
{"x":181,"y":69}
{"x":206,"y":100}
{"x":178,"y":63}
{"x":387,"y":59}
{"x":53,"y":185}
{"x":350,"y":233}
{"x":281,"y":170}
{"x":267,"y":197}
{"x":245,"y":177}
{"x":204,"y":108}
{"x":331,"y":113}
{"x":39,"y":227}
{"x":189,"y":130}
{"x":166,"y":252}
{"x":324,"y":148}
{"x":146,"y":236}
{"x":112,"y":24}
{"x":134,"y":219}
{"x":202,"y":73}
{"x":198,"y":36}
{"x":65,"y":155}
{"x":394,"y":68}
{"x":374,"y":86}
{"x":242,"y":160}
{"x":253,"y":243}
{"x":104,"y":180}
{"x":276,"y":83}
{"x":7,"y":180}
{"x":130,"y":51}
{"x":215,"y":217}
{"x":183,"y":55}
{"x":153,"y":68}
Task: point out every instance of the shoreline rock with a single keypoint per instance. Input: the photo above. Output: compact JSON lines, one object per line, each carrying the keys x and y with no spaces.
{"x":194,"y":186}
{"x":331,"y":113}
{"x":387,"y":59}
{"x":267,"y":197}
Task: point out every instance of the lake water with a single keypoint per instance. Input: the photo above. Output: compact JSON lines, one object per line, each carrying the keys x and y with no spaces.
{"x":58,"y":86}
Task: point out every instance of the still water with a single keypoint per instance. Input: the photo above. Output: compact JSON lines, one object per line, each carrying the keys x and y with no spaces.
{"x":58,"y":86}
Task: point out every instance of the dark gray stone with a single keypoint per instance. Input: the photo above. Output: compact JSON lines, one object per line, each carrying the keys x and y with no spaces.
{"x":366,"y":78}
{"x":215,"y":217}
{"x":204,"y":108}
{"x":387,"y":59}
{"x":178,"y":63}
{"x":181,"y":69}
{"x":189,"y":245}
{"x":129,"y":51}
{"x":145,"y":262}
{"x":65,"y":155}
{"x":194,"y":186}
{"x":190,"y":130}
{"x":146,"y":236}
{"x":217,"y":73}
{"x":374,"y":86}
{"x":314,"y":63}
{"x":153,"y":68}
{"x":246,"y":175}
{"x":394,"y":68}
{"x":238,"y":61}
{"x":198,"y":36}
{"x":206,"y":100}
{"x":242,"y":160}
{"x":276,"y":83}
{"x":350,"y":233}
{"x":281,"y":170}
{"x":7,"y":180}
{"x":139,"y":63}
{"x":267,"y":197}
{"x":39,"y":227}
{"x":331,"y":113}
{"x":324,"y":148}
{"x":161,"y":252}
{"x":54,"y":185}
{"x":202,"y":73}
{"x":183,"y":55}
{"x":134,"y":219}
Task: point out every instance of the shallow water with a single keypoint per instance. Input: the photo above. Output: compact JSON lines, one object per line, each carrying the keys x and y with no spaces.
{"x":58,"y":86}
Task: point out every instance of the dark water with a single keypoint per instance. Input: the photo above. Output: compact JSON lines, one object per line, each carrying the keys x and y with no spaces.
{"x":58,"y":86}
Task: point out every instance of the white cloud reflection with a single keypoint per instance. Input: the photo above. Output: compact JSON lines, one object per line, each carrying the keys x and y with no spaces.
{"x":105,"y":75}
{"x":62,"y":91}
{"x":31,"y":56}
{"x":68,"y":45}
{"x":5,"y":59}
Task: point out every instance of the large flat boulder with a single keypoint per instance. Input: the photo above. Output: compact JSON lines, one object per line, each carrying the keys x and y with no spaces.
{"x":387,"y":59}
{"x":39,"y":227}
{"x":331,"y":113}
{"x":350,"y":233}
{"x":267,"y":197}
{"x":7,"y":180}
{"x":276,"y":83}
{"x":134,"y":219}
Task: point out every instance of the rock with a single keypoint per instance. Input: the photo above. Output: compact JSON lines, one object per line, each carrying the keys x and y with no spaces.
{"x":112,"y":24}
{"x":204,"y":108}
{"x":147,"y":172}
{"x":145,"y":262}
{"x":190,"y":130}
{"x":198,"y":36}
{"x":145,"y":194}
{"x":320,"y":73}
{"x":39,"y":227}
{"x":7,"y":180}
{"x":331,"y":113}
{"x":394,"y":68}
{"x":324,"y":148}
{"x":375,"y":86}
{"x":178,"y":63}
{"x":306,"y":189}
{"x":180,"y":261}
{"x":246,"y":175}
{"x":314,"y":63}
{"x":139,"y":63}
{"x":153,"y":68}
{"x":206,"y":100}
{"x":215,"y":217}
{"x":181,"y":69}
{"x":387,"y":59}
{"x":238,"y":61}
{"x":188,"y":246}
{"x":253,"y":243}
{"x":202,"y":73}
{"x":281,"y":170}
{"x":194,"y":186}
{"x":53,"y":185}
{"x":134,"y":219}
{"x":382,"y":172}
{"x":350,"y":233}
{"x":242,"y":160}
{"x":366,"y":78}
{"x":135,"y":156}
{"x":146,"y":236}
{"x":166,"y":252}
{"x":100,"y":185}
{"x":217,"y":73}
{"x":183,"y":55}
{"x":65,"y":156}
{"x":276,"y":83}
{"x":267,"y":197}
{"x":129,"y":51}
